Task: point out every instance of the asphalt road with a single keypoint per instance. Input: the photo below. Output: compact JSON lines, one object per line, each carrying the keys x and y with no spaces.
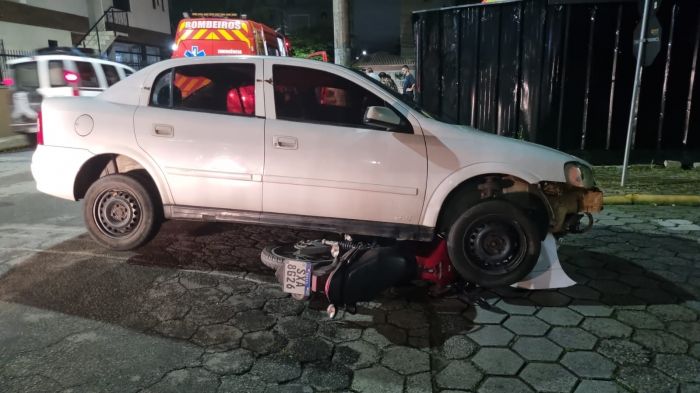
{"x":195,"y":310}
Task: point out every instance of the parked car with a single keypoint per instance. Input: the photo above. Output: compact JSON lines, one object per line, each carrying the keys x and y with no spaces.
{"x":301,"y":143}
{"x":56,"y":75}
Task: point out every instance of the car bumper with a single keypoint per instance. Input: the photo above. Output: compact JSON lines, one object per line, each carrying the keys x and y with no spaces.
{"x":55,"y":169}
{"x":569,"y":204}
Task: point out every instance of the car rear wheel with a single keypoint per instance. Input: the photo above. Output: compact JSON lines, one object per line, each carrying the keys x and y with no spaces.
{"x":120,"y":213}
{"x":493,"y":243}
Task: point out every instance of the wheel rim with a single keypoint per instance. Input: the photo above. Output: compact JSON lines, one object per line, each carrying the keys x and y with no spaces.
{"x":117,"y":213}
{"x":496,"y":245}
{"x":300,"y":252}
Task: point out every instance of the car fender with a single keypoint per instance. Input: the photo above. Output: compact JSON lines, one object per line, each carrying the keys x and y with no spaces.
{"x":146,"y":162}
{"x":433,"y":205}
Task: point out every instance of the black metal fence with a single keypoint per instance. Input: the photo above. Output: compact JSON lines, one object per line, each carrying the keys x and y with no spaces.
{"x":560,"y":72}
{"x":9,"y":54}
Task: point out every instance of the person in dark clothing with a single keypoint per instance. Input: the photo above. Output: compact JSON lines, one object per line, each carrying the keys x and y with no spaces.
{"x":409,"y":84}
{"x":387,"y":81}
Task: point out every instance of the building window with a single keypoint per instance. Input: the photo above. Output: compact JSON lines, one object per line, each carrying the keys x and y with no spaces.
{"x":53,"y":43}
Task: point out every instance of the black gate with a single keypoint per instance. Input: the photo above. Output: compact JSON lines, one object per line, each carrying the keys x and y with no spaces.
{"x":560,"y":72}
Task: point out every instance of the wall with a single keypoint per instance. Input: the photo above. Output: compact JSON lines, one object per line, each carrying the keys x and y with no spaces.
{"x":76,"y":7}
{"x":143,"y":16}
{"x":23,"y":37}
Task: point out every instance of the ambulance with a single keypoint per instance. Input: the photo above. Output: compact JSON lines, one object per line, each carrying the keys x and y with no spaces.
{"x":222,"y":34}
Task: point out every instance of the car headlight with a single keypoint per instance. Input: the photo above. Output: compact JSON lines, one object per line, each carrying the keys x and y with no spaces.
{"x":579,"y":175}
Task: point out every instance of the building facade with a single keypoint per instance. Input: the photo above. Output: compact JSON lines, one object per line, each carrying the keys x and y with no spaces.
{"x":132,"y":32}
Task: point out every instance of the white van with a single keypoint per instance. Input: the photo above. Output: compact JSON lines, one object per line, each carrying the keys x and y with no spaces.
{"x":56,"y":75}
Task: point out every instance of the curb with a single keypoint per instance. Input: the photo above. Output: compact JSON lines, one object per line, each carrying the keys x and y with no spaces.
{"x":16,"y":142}
{"x":651,"y":199}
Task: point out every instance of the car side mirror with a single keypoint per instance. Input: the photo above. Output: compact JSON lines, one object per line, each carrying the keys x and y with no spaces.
{"x":382,"y":117}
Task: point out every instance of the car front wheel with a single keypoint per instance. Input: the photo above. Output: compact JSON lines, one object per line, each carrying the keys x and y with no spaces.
{"x":120,"y":213}
{"x":493,"y":243}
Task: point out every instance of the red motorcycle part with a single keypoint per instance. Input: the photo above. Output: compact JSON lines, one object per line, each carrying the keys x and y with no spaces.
{"x":435,"y":265}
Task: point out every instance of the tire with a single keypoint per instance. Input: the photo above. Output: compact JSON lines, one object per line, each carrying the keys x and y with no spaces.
{"x":493,"y":244}
{"x":120,"y":213}
{"x":275,"y":255}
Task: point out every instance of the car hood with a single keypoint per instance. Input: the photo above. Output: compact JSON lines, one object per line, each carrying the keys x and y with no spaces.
{"x":466,"y":146}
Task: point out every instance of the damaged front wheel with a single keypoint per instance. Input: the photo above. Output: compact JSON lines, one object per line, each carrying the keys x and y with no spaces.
{"x":493,"y":243}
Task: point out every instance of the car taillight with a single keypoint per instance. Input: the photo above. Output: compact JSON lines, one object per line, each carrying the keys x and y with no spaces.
{"x":72,"y":79}
{"x":70,"y":76}
{"x":39,"y":130}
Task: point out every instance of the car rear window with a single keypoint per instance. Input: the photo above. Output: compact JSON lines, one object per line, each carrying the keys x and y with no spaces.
{"x":88,"y":77}
{"x":111,"y":74}
{"x":56,"y":76}
{"x":26,"y":75}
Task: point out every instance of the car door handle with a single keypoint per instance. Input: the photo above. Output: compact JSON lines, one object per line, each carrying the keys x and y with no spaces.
{"x":285,"y":142}
{"x":163,"y":130}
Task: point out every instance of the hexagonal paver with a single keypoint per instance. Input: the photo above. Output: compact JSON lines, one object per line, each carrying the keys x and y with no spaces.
{"x":646,"y":380}
{"x":294,"y":327}
{"x":660,"y":341}
{"x":491,"y":335}
{"x":405,"y":360}
{"x":588,"y":364}
{"x":458,"y":375}
{"x":264,"y":342}
{"x":688,"y":330}
{"x":242,"y":384}
{"x":309,"y":349}
{"x":482,"y":316}
{"x":326,"y":376}
{"x":592,"y":309}
{"x":681,"y":367}
{"x":572,"y":338}
{"x":408,"y":319}
{"x":695,"y":351}
{"x":516,"y":306}
{"x":356,"y":354}
{"x":559,"y":316}
{"x":339,"y":332}
{"x":458,"y":347}
{"x":593,"y":386}
{"x":549,"y":298}
{"x":253,"y":320}
{"x":672,"y":312}
{"x":377,"y":380}
{"x":498,"y":361}
{"x":419,"y":383}
{"x":187,"y":380}
{"x":581,"y":292}
{"x":503,"y":384}
{"x":537,"y":348}
{"x":548,"y":377}
{"x":624,"y":352}
{"x":639,"y":319}
{"x":606,"y":327}
{"x":276,"y":368}
{"x":234,"y":362}
{"x":223,"y":335}
{"x":526,"y":325}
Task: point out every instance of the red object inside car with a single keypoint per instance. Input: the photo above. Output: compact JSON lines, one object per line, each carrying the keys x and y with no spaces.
{"x":241,"y":100}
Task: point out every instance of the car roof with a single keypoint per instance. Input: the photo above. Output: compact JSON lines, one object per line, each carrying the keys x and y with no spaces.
{"x":65,"y":57}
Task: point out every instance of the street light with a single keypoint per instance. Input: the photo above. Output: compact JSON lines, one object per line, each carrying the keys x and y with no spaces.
{"x":364,"y":52}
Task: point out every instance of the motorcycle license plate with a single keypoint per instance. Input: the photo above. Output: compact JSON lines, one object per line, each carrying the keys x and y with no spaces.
{"x":297,"y":277}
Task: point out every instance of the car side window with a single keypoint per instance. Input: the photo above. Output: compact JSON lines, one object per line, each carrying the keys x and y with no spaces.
{"x":56,"y":76}
{"x":111,"y":74}
{"x":217,"y":88}
{"x":308,"y":95}
{"x":88,"y":76}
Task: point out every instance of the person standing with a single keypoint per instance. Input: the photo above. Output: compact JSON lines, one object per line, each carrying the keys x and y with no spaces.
{"x":372,"y":74}
{"x":387,"y":81}
{"x":409,"y":84}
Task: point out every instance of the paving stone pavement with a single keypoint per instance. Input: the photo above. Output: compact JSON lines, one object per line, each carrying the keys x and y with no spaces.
{"x":195,"y":310}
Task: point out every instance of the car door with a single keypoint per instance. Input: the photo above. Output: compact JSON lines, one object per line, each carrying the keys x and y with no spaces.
{"x":321,"y":160}
{"x":205,"y":129}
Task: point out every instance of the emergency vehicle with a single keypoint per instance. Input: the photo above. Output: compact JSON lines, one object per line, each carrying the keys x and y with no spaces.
{"x":221,"y":34}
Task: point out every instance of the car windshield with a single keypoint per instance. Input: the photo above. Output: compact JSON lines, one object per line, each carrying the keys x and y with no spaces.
{"x":398,"y":95}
